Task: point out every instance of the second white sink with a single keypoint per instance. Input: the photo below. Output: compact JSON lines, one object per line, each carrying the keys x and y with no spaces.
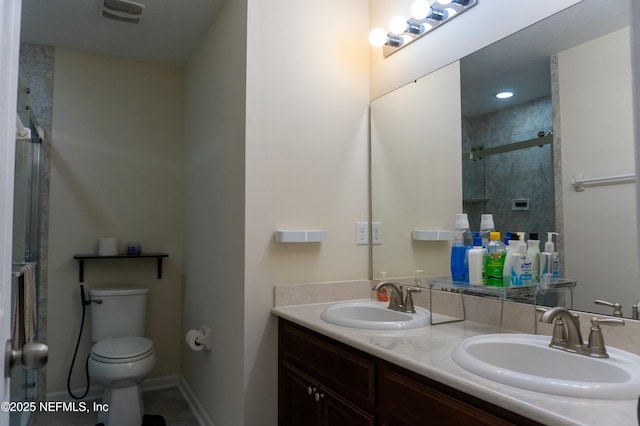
{"x":526,"y":361}
{"x":374,"y":316}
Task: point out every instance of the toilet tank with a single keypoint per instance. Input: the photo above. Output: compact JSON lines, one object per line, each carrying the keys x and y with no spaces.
{"x":122,"y":312}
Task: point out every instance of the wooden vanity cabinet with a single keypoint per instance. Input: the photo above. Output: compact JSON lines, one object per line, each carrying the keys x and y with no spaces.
{"x":409,"y":399}
{"x":325,"y":382}
{"x":322,"y":382}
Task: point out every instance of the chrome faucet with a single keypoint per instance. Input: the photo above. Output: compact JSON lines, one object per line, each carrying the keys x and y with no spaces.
{"x":396,"y":300}
{"x":571,"y":339}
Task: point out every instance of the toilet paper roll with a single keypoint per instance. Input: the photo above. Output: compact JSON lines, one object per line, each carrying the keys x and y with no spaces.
{"x":108,"y":246}
{"x":192,"y":336}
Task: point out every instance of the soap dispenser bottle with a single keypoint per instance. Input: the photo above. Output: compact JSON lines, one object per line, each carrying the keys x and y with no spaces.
{"x":549,"y":262}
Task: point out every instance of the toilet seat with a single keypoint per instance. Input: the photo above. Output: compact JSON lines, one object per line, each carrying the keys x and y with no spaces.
{"x":121,"y":350}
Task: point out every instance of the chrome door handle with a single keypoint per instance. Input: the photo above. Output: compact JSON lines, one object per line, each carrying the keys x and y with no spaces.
{"x":32,"y":356}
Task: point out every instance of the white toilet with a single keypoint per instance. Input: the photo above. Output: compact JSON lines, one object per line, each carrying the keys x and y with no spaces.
{"x":121,"y":357}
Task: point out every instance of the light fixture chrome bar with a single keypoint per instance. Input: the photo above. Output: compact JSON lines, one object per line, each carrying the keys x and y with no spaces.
{"x":416,"y":28}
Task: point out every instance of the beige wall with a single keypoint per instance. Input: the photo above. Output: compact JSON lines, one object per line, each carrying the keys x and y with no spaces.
{"x":416,"y":172}
{"x":304,"y":166}
{"x":214,"y":217}
{"x":597,"y":140}
{"x":116,"y":171}
{"x":306,"y":163}
{"x":485,"y":23}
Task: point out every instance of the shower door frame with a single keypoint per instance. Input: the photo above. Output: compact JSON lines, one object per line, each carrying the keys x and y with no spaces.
{"x":9,"y":48}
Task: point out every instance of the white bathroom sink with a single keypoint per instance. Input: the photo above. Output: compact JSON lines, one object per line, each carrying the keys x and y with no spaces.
{"x":526,"y":361}
{"x":374,"y":316}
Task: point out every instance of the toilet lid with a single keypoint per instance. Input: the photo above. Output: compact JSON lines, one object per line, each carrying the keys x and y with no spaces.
{"x":122,"y":349}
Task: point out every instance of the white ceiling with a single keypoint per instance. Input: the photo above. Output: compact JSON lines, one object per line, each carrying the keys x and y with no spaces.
{"x":169,"y":30}
{"x":520,"y":62}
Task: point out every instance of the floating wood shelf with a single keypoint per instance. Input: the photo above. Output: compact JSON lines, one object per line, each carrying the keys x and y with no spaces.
{"x":82,"y":257}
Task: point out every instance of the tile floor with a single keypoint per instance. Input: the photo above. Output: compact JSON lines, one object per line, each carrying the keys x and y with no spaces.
{"x":168,"y":403}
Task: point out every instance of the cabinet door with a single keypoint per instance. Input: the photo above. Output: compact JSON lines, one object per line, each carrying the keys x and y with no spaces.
{"x":408,"y":400}
{"x":297,"y":403}
{"x":337,"y":411}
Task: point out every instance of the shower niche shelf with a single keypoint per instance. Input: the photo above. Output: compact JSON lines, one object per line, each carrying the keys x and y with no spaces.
{"x":81,"y":258}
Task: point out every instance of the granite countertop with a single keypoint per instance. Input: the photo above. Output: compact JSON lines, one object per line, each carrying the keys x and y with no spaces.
{"x":427,"y":351}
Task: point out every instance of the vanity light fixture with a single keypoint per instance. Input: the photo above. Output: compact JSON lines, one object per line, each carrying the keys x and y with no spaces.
{"x":504,"y":95}
{"x":426,"y":15}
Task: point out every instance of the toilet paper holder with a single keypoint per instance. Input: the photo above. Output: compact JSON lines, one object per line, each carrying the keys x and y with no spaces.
{"x":196,"y":339}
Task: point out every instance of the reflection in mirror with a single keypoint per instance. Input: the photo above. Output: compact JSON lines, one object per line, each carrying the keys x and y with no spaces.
{"x":570,"y":116}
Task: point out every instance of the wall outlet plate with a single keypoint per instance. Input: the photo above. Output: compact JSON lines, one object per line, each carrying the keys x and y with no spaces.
{"x":376,"y":232}
{"x":362,"y":232}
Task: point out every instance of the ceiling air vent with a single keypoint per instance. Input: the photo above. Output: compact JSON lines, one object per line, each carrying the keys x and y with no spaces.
{"x":122,"y":10}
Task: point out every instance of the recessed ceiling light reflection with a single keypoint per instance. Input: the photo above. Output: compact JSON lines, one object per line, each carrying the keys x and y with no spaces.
{"x":504,"y":95}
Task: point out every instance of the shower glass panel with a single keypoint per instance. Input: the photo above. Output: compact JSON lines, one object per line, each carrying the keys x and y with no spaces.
{"x":514,"y":182}
{"x":26,"y":243}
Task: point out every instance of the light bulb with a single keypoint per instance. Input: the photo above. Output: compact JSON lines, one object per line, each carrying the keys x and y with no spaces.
{"x":444,"y":1}
{"x":420,"y":9}
{"x":450,"y":12}
{"x":377,"y":37}
{"x":398,"y":25}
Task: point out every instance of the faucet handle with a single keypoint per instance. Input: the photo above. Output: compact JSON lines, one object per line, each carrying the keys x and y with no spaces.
{"x":635,"y":310}
{"x":596,"y":344}
{"x":617,"y":308}
{"x":559,"y":335}
{"x":408,"y":300}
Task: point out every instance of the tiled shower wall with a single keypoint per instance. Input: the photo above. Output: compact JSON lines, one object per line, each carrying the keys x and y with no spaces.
{"x":36,"y":65}
{"x":490,"y":184}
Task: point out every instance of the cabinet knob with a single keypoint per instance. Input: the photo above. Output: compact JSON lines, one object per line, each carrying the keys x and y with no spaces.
{"x":319,"y":396}
{"x":310,"y":390}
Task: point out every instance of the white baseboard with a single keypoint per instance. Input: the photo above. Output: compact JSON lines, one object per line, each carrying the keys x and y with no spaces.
{"x":96,"y":392}
{"x":196,"y":407}
{"x":157,"y":383}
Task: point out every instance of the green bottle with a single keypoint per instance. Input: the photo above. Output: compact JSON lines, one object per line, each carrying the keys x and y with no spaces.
{"x":494,"y":265}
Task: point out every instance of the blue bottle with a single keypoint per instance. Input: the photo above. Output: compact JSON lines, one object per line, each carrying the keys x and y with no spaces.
{"x":459,"y":247}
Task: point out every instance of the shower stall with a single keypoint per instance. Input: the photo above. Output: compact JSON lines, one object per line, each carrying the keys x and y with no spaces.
{"x":26,"y":251}
{"x":507,"y":168}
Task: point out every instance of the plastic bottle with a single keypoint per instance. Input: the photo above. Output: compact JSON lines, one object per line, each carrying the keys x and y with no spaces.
{"x":494,"y":265}
{"x":549,"y":262}
{"x":511,"y":247}
{"x":477,"y":258}
{"x":459,"y":247}
{"x":486,"y":227}
{"x":533,"y":249}
{"x":382,"y":295}
{"x":521,"y":265}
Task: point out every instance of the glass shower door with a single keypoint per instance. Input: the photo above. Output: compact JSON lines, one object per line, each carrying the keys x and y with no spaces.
{"x":26,"y":247}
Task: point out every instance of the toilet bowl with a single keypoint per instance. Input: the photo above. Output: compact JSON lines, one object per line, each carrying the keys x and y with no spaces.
{"x":121,"y":358}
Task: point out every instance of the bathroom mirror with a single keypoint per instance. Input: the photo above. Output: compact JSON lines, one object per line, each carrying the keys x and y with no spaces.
{"x":582,"y":52}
